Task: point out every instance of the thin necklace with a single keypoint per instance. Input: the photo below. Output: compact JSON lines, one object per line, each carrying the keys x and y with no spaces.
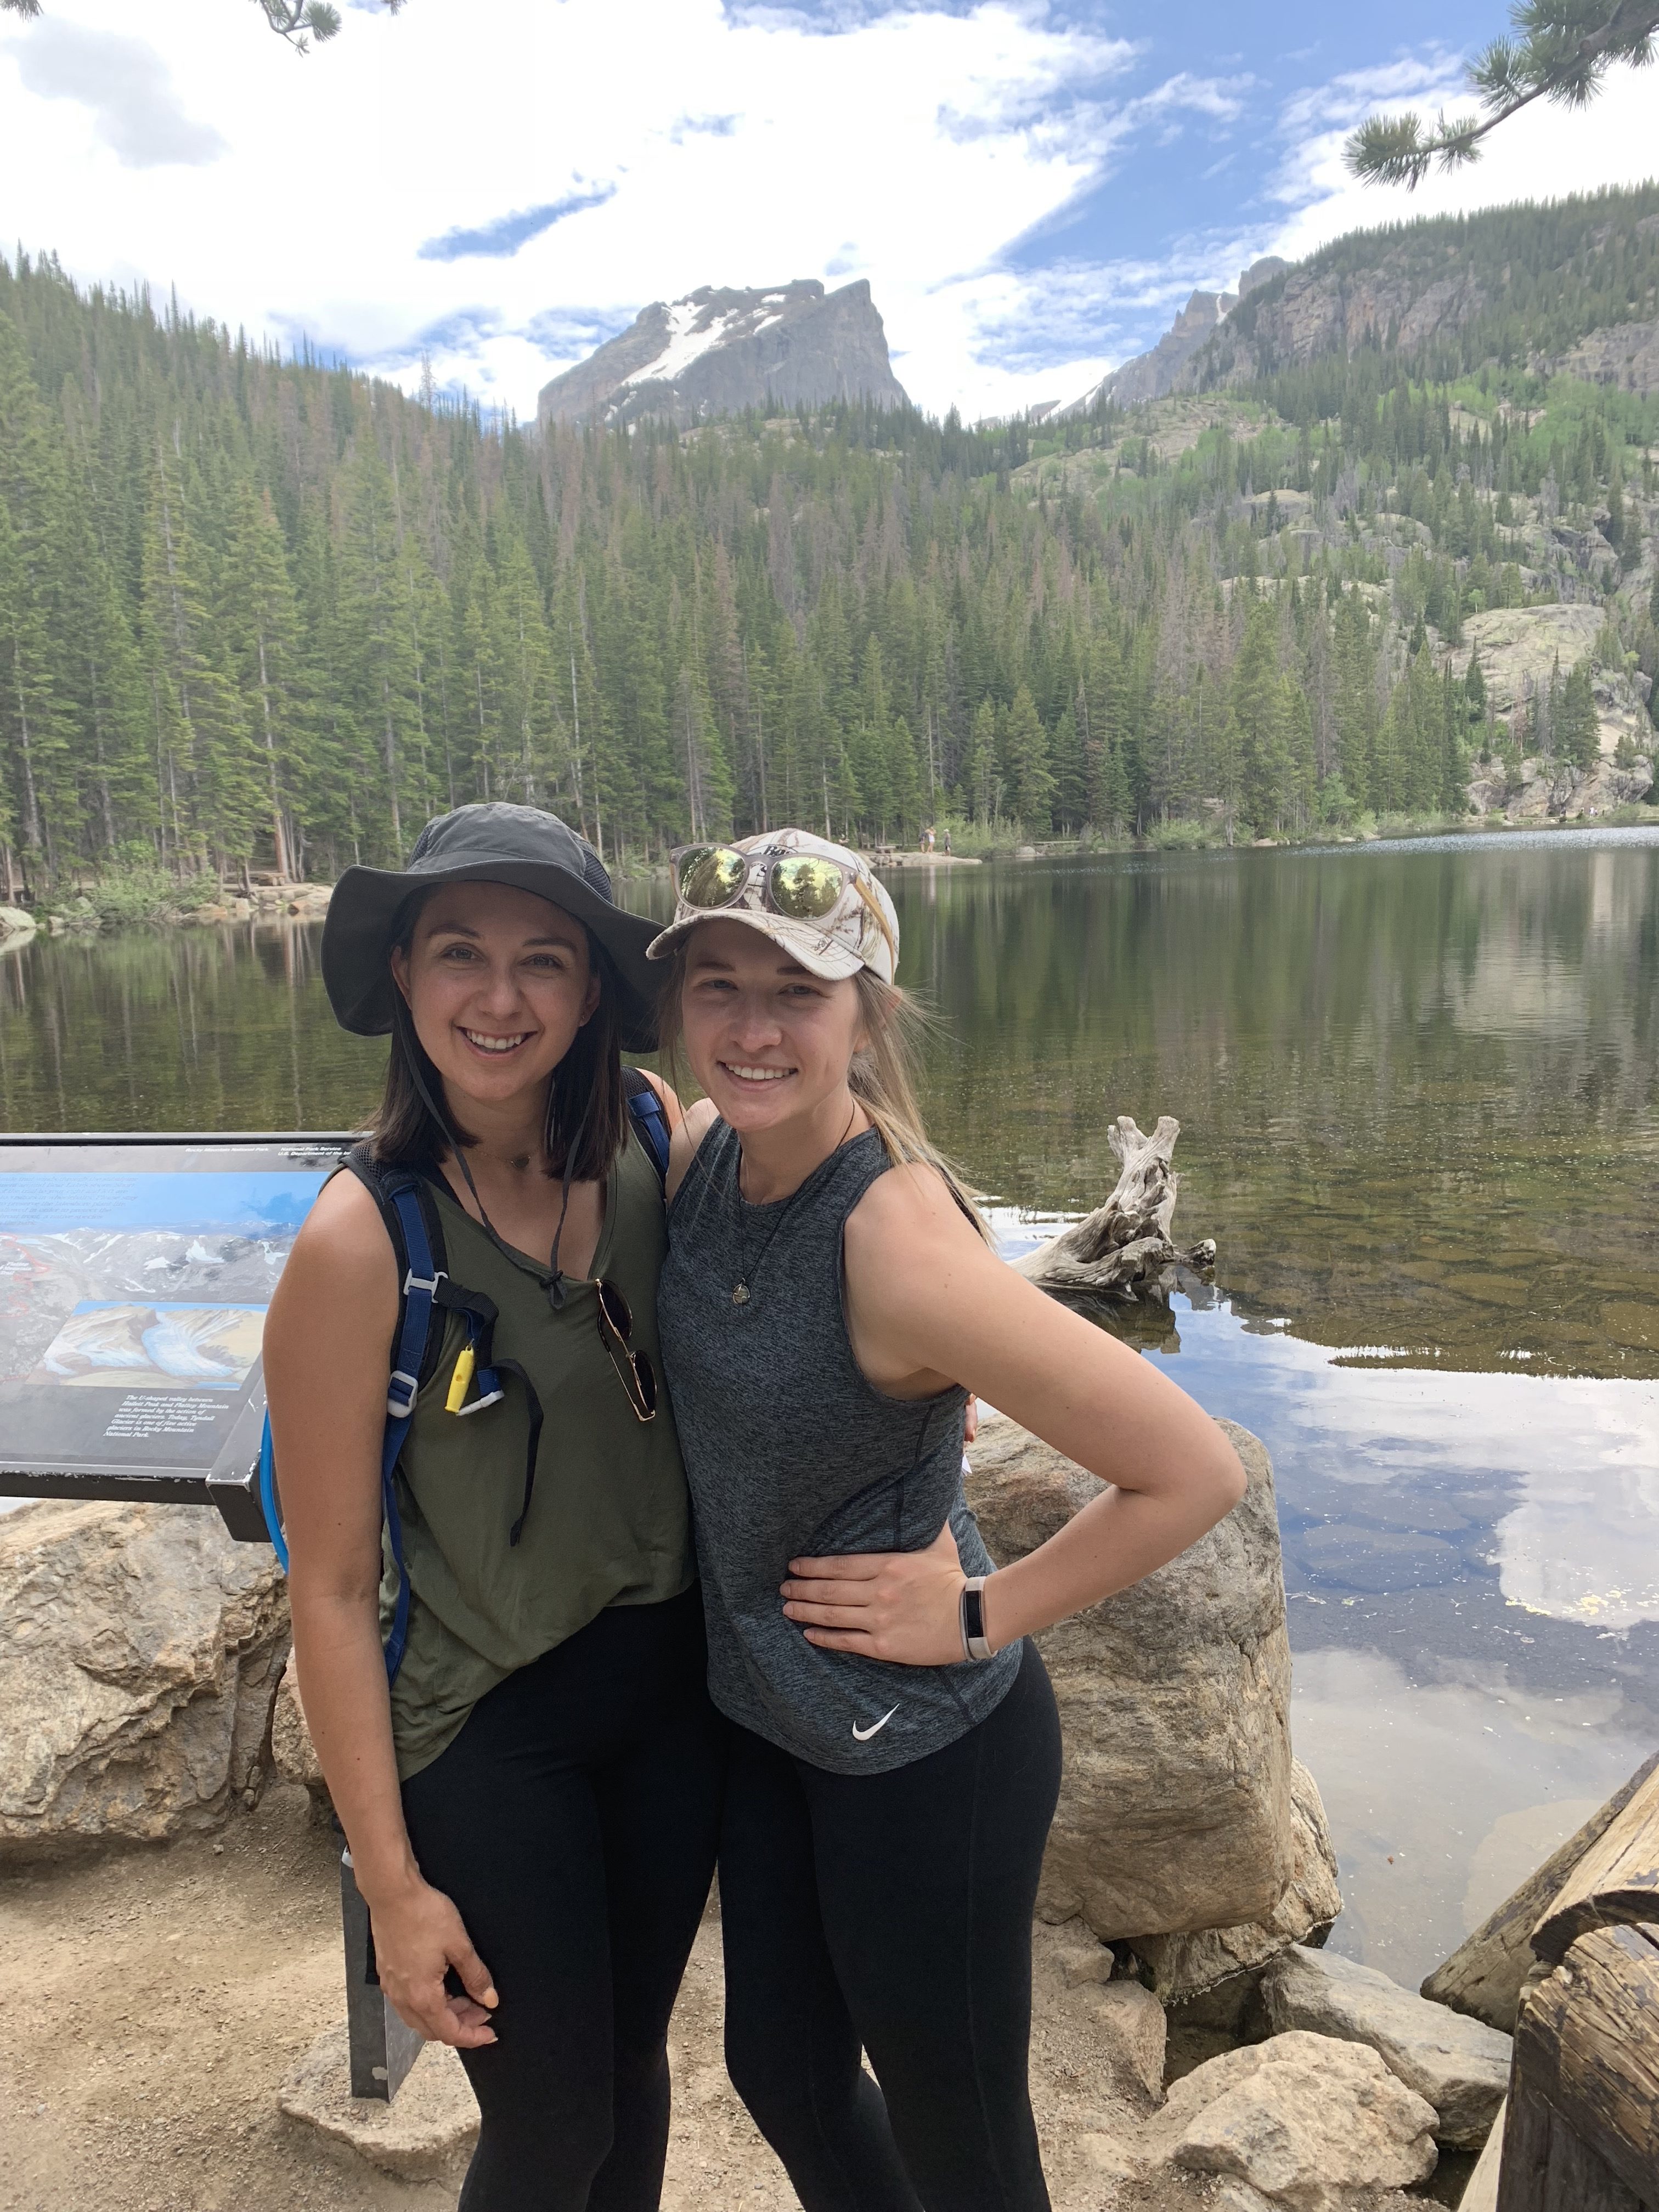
{"x":740,"y":1290}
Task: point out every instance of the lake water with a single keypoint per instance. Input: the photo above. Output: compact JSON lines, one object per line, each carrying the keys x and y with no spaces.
{"x":1419,"y":1087}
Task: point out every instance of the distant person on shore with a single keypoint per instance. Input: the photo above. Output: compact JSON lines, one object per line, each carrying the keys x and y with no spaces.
{"x":532,"y":1803}
{"x":828,"y":1300}
{"x":947,"y":838}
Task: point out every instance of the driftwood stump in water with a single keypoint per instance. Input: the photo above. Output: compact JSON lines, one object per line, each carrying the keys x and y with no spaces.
{"x":1123,"y":1251}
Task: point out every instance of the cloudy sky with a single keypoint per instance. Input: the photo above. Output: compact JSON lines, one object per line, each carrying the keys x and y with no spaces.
{"x":1031,"y":190}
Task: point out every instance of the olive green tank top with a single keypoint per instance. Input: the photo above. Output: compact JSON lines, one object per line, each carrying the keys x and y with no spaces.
{"x":608,"y":1522}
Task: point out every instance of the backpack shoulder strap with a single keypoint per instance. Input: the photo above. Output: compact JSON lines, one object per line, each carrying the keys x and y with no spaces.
{"x":404,"y":1200}
{"x":412,"y":1221}
{"x":404,"y":1196}
{"x":649,"y":1120}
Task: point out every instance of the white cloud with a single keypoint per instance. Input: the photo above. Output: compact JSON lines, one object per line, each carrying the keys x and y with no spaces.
{"x":564,"y":161}
{"x":692,"y":143}
{"x":126,"y":89}
{"x":1545,"y":152}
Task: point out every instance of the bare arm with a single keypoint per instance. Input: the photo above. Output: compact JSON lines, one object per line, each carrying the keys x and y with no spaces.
{"x":928,"y":1304}
{"x":326,"y":1359}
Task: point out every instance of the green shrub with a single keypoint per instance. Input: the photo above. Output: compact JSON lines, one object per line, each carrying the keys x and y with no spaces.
{"x":977,"y":840}
{"x":1182,"y":837}
{"x":137,"y":889}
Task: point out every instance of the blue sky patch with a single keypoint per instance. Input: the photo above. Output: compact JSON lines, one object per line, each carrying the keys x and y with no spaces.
{"x":508,"y":233}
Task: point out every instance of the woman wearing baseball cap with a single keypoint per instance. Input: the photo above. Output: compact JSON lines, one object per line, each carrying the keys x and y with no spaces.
{"x":531,"y":1802}
{"x":829,"y":1301}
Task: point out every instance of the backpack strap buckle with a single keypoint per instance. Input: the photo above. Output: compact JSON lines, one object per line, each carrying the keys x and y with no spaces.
{"x":400,"y":1398}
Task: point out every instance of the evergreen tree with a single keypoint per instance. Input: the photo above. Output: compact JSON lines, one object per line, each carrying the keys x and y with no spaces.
{"x":1030,"y":784}
{"x":258,"y":613}
{"x":385,"y":694}
{"x":1265,"y":788}
{"x":903,"y":780}
{"x":1577,"y":729}
{"x":30,"y":727}
{"x":1355,"y":704}
{"x":1475,"y":687}
{"x":259,"y":622}
{"x":1070,"y":772}
{"x":208,"y":788}
{"x":981,"y":781}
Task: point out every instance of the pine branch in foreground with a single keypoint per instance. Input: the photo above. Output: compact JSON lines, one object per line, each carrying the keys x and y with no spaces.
{"x":1562,"y":53}
{"x":302,"y":23}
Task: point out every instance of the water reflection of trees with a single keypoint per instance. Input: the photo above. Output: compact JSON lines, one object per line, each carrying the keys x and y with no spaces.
{"x":1418,"y":1088}
{"x":203,"y":1029}
{"x":1419,"y":1091}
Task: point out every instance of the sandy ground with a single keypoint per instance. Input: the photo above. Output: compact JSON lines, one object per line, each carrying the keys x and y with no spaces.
{"x":151,"y":2003}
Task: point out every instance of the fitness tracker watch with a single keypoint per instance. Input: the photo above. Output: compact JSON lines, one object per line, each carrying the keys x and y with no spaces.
{"x":974,"y":1645}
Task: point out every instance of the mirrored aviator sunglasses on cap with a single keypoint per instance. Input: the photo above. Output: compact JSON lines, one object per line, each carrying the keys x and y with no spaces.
{"x":800,"y":886}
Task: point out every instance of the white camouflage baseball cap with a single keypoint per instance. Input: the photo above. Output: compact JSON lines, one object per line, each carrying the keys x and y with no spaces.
{"x":819,"y":901}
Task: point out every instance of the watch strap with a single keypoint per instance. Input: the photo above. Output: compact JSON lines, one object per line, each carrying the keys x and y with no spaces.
{"x":974,"y":1643}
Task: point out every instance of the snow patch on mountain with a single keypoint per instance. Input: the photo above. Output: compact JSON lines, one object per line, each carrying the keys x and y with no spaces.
{"x":717,"y":351}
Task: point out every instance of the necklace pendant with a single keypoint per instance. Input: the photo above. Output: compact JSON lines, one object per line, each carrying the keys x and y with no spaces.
{"x":740,"y":1294}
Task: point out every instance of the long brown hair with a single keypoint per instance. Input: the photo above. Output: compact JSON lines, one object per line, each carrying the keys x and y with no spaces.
{"x":587,"y":1123}
{"x":881,"y":1076}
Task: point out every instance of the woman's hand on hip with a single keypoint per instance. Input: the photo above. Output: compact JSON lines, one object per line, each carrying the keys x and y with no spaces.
{"x":418,"y":1937}
{"x":903,"y":1605}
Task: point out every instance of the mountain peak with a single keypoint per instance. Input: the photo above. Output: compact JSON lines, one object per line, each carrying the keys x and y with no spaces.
{"x":1151,"y":375}
{"x":718,"y":349}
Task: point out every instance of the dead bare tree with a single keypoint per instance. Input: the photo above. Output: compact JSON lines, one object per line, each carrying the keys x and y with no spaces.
{"x":1123,"y":1251}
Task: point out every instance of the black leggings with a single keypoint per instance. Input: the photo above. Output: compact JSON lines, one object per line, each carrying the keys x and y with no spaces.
{"x":573,"y":1821}
{"x":893,"y":1910}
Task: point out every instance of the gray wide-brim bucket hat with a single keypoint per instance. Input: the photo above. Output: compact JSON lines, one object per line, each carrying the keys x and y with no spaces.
{"x":491,"y":842}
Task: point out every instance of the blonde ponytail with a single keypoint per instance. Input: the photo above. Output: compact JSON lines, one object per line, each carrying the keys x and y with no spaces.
{"x":882,"y":1079}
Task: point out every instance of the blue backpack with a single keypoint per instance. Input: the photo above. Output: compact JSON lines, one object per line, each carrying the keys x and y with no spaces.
{"x":404,"y":1199}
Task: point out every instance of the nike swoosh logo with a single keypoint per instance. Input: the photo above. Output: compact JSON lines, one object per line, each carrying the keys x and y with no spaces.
{"x":865,"y":1735}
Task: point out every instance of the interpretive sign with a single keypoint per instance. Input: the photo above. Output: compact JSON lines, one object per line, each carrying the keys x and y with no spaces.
{"x":135,"y":1273}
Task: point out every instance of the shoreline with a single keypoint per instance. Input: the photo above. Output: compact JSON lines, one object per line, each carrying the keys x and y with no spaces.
{"x":100,"y":907}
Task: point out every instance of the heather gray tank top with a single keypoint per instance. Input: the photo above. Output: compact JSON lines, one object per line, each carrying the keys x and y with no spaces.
{"x":791,"y":1451}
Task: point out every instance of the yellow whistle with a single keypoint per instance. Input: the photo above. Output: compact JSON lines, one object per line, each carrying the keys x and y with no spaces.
{"x":460,"y":1381}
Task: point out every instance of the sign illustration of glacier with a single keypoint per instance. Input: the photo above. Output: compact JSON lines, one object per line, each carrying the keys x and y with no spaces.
{"x":135,"y":1276}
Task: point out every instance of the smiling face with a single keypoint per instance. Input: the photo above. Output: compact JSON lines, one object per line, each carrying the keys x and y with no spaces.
{"x":498,"y":983}
{"x":767,"y":1041}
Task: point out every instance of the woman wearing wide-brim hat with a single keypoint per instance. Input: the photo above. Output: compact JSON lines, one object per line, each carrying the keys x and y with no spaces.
{"x":532,"y":1802}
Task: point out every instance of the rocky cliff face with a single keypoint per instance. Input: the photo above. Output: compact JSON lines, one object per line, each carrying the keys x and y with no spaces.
{"x":1153,"y":375}
{"x":717,"y":351}
{"x":1150,"y":376}
{"x":1627,"y":356}
{"x":1305,"y":313}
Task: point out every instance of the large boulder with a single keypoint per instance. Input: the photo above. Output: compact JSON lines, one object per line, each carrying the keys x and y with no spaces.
{"x":1310,"y":2123}
{"x":139,"y":1658}
{"x":1225,"y":1960}
{"x":1460,"y":2066}
{"x":1175,"y":1812}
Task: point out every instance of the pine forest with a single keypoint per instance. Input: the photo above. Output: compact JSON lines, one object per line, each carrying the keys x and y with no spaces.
{"x":267,"y":614}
